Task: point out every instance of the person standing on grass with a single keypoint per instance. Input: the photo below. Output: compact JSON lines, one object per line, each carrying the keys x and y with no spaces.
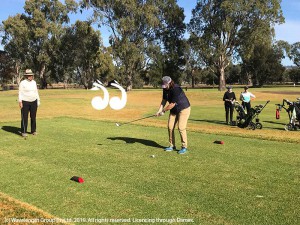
{"x":179,"y":107}
{"x":29,"y":100}
{"x":229,"y":99}
{"x":245,"y":97}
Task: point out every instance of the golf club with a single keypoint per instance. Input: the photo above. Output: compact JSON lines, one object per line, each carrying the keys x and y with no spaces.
{"x":23,"y":124}
{"x":119,"y":124}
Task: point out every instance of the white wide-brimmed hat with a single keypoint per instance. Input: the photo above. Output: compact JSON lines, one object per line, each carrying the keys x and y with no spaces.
{"x":28,"y":72}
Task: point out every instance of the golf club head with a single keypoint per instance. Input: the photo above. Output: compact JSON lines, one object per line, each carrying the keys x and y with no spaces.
{"x":117,"y":124}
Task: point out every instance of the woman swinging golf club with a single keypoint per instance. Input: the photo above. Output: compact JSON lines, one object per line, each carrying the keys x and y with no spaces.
{"x":180,"y":109}
{"x":29,"y":100}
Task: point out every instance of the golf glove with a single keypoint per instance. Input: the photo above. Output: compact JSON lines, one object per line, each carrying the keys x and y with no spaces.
{"x":161,"y":113}
{"x":38,"y":103}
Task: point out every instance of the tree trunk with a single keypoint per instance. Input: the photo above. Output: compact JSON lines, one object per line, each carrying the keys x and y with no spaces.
{"x":222,"y":83}
{"x":129,"y":82}
{"x":42,"y":77}
{"x":65,"y":84}
{"x":17,"y":67}
{"x":193,"y":79}
{"x":222,"y":64}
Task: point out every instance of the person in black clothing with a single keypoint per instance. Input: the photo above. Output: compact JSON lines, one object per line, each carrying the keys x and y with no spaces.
{"x":229,"y":99}
{"x":180,"y":109}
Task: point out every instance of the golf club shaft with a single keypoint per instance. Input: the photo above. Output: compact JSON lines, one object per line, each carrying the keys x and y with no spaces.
{"x":266,"y":104}
{"x":138,"y":119}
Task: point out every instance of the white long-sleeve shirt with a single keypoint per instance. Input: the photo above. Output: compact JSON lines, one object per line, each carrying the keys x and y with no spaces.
{"x":246,"y":96}
{"x":28,"y":91}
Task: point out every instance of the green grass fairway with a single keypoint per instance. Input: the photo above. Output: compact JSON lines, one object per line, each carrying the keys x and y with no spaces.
{"x":252,"y":179}
{"x":244,"y":181}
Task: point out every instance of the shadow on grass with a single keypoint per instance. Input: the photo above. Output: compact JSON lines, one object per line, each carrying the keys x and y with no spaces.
{"x":129,"y":140}
{"x":14,"y":130}
{"x":272,"y":122}
{"x":273,"y":128}
{"x":209,"y":121}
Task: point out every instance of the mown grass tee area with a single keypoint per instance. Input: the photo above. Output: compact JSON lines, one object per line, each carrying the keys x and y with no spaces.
{"x":252,"y":179}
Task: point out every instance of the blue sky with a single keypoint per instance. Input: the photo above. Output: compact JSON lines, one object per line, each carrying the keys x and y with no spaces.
{"x":289,"y":31}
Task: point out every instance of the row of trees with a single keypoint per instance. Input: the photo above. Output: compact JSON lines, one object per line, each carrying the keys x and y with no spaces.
{"x":147,"y":42}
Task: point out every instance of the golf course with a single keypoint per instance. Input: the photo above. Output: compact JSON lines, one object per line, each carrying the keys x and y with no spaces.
{"x":253,"y":178}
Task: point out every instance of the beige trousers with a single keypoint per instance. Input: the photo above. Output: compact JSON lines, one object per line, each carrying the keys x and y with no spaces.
{"x":181,"y":119}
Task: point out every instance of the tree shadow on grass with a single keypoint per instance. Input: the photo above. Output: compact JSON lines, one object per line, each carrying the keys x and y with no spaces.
{"x":129,"y":140}
{"x":14,"y":130}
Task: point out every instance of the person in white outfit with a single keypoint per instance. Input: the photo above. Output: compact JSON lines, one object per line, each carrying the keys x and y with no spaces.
{"x":29,"y":100}
{"x":246,"y":97}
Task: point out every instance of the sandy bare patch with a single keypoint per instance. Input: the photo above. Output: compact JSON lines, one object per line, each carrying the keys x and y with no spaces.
{"x":11,"y":209}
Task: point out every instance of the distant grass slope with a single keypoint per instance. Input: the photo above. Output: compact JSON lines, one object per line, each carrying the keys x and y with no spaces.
{"x":207,"y":113}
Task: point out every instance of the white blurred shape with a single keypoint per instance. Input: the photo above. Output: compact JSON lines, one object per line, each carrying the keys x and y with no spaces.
{"x":97,"y":102}
{"x":117,"y":103}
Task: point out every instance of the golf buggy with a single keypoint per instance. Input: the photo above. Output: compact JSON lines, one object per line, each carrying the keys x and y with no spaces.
{"x":245,"y":120}
{"x":293,"y":110}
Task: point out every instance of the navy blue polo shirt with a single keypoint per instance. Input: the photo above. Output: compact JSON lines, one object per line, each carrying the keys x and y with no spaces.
{"x":176,"y":95}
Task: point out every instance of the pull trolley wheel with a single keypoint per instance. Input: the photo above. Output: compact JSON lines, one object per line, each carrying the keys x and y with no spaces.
{"x":258,"y":126}
{"x":289,"y":127}
{"x":252,"y":126}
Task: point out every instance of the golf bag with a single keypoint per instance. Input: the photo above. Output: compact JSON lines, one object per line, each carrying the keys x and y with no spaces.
{"x":293,"y":110}
{"x":245,"y":120}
